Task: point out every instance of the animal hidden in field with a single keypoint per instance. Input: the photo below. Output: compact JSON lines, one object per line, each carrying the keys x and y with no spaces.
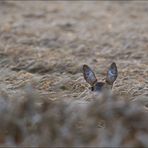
{"x":96,"y":86}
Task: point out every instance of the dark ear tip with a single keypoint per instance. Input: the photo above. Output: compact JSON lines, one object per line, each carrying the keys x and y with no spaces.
{"x":85,"y":66}
{"x":113,"y":65}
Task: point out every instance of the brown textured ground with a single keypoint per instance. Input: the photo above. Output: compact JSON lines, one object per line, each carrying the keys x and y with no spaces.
{"x":45,"y":44}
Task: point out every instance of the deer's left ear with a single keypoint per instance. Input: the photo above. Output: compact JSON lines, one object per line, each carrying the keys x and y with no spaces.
{"x":112,"y":74}
{"x":89,"y":75}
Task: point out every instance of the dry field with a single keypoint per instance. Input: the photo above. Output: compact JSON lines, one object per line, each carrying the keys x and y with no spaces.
{"x":43,"y":46}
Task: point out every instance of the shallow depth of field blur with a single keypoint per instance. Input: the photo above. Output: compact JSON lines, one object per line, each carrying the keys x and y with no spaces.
{"x":43,"y":46}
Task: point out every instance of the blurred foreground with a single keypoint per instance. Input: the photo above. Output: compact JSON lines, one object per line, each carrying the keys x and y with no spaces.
{"x":102,"y":122}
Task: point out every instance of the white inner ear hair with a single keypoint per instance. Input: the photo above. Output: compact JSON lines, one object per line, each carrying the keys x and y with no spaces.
{"x":91,"y":75}
{"x":111,"y":73}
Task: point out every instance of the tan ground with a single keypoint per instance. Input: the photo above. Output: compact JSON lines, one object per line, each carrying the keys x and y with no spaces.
{"x":45,"y":44}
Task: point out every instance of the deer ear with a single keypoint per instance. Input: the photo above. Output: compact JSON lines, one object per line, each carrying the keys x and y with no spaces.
{"x":89,"y":75}
{"x":112,"y":74}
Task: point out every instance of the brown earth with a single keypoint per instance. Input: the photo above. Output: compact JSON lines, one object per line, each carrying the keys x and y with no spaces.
{"x":45,"y":44}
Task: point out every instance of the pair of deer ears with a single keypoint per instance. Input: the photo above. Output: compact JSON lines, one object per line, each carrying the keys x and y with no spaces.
{"x":90,"y":77}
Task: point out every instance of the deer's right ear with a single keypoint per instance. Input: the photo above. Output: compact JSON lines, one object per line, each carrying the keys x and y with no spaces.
{"x":89,"y":75}
{"x":112,"y":74}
